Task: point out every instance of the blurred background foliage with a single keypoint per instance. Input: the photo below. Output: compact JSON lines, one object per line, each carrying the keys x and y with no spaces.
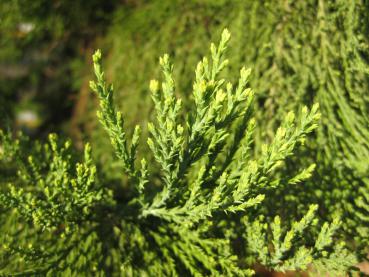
{"x":42,"y":57}
{"x":300,"y":52}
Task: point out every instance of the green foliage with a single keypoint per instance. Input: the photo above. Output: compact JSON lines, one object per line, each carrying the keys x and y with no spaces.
{"x":290,"y":252}
{"x":301,"y":52}
{"x":204,"y":195}
{"x":59,"y":196}
{"x":179,"y":217}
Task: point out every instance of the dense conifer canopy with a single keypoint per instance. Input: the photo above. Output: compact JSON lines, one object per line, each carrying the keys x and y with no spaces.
{"x":251,"y":153}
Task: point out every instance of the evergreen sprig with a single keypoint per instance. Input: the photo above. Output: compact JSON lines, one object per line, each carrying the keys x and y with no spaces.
{"x":290,"y":250}
{"x":184,"y":221}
